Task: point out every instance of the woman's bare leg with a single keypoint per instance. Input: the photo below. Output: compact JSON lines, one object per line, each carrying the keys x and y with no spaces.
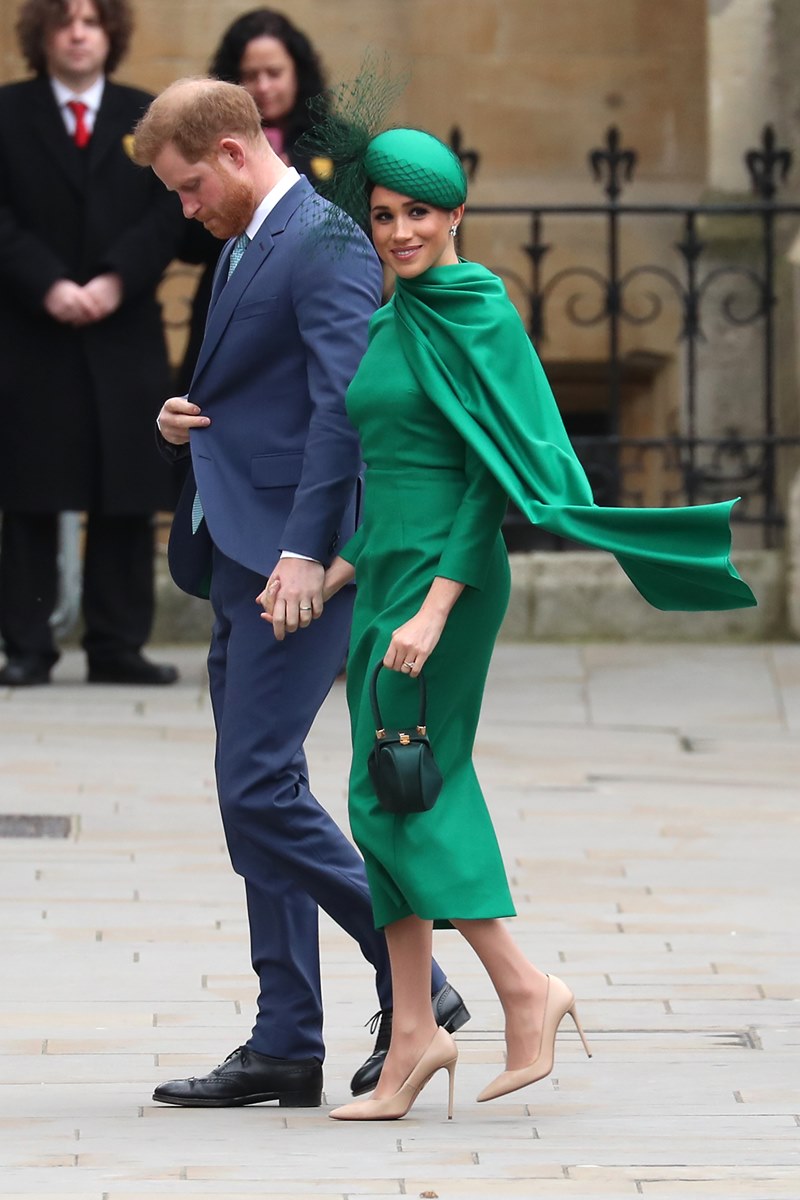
{"x":521,"y":987}
{"x":410,"y":944}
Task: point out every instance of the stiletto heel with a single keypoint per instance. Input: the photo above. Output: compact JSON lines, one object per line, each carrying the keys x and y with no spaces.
{"x":451,"y":1071}
{"x":558,"y":1002}
{"x":573,"y":1012}
{"x":441,"y":1052}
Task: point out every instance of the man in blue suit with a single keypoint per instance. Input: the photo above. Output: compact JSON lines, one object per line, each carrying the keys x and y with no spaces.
{"x":273,"y":494}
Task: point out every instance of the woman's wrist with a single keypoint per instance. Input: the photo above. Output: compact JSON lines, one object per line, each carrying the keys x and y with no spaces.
{"x":441,"y":597}
{"x":339,"y":573}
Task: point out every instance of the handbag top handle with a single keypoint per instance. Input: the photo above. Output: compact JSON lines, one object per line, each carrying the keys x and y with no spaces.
{"x":376,"y":712}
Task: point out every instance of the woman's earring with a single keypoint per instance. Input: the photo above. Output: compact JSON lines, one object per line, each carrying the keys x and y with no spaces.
{"x":453,"y":230}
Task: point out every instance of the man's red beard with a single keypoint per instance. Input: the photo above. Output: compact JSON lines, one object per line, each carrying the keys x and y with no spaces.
{"x":233,"y":214}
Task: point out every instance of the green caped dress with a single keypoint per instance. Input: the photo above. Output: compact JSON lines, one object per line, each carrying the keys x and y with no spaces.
{"x":455,"y":416}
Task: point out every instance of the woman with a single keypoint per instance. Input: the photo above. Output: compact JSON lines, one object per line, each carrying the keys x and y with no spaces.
{"x":455,"y":416}
{"x":275,"y":62}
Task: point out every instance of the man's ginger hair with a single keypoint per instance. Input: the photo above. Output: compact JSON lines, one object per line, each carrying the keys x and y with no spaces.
{"x":193,"y":115}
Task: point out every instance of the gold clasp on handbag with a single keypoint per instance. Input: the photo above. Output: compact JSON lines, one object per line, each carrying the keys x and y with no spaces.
{"x":380,"y":733}
{"x":405,"y":740}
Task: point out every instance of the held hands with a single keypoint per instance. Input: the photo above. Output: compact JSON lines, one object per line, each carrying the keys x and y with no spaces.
{"x":177,"y":417}
{"x":337,"y":575}
{"x":293,"y":597}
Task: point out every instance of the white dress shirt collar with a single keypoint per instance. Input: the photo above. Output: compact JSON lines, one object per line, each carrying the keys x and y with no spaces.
{"x":92,"y":98}
{"x":284,"y":184}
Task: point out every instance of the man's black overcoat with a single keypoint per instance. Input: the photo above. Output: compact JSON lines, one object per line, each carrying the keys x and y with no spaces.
{"x":77,"y":406}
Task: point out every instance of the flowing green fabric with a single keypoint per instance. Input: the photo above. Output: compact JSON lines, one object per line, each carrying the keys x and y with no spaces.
{"x":469,"y":352}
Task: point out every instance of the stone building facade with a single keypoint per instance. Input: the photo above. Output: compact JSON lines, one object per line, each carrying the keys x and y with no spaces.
{"x":533,"y":85}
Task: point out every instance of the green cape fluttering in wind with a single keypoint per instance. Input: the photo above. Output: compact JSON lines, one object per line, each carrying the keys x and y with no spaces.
{"x":466,"y":345}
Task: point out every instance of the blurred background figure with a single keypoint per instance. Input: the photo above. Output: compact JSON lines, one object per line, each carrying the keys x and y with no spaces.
{"x":275,"y":62}
{"x":84,"y":238}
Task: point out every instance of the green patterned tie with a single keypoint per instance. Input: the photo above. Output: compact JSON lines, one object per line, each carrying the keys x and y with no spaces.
{"x":239,"y":247}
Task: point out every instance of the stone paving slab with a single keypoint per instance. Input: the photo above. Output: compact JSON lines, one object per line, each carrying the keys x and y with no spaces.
{"x":647,"y":802}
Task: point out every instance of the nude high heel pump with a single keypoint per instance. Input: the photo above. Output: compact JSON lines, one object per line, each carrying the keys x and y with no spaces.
{"x":558,"y":1002}
{"x":442,"y":1052}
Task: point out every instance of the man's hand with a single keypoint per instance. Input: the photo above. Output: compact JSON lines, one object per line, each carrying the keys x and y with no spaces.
{"x":67,"y":302}
{"x":105,"y":294}
{"x":71,"y":304}
{"x":177,"y":417}
{"x":292,"y":598}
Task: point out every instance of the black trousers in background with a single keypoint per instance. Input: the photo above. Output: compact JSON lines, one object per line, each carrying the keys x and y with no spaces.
{"x":118,"y":584}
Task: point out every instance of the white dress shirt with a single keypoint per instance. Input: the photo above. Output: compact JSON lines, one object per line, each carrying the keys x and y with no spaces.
{"x":284,"y":184}
{"x":92,"y":98}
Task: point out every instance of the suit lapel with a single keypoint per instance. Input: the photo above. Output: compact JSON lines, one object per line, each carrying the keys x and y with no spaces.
{"x":225,"y":296}
{"x":107,"y":132}
{"x":48,"y":123}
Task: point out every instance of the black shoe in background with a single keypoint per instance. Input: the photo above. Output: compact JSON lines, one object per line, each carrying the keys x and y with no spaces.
{"x":130,"y":667}
{"x":450,"y":1012}
{"x":25,"y":670}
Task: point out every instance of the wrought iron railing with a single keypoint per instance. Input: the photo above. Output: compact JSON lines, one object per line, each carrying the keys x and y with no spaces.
{"x":703,"y":457}
{"x":700,"y":460}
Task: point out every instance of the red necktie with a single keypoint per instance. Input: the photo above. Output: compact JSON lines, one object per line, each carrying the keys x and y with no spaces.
{"x":82,"y":134}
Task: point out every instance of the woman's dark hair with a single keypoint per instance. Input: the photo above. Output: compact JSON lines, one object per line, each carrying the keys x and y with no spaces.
{"x":265,"y":22}
{"x":36,"y":17}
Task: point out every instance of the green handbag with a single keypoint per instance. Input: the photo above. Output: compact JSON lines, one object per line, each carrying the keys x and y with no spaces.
{"x":401,"y":765}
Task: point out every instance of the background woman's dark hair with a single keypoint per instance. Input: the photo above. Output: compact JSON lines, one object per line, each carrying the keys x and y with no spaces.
{"x":265,"y":22}
{"x":36,"y":17}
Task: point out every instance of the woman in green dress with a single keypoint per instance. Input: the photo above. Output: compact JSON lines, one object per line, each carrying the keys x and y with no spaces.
{"x":455,"y":415}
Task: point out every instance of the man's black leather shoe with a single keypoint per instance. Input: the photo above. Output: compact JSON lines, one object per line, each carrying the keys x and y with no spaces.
{"x":246,"y":1077}
{"x":25,"y":670}
{"x":130,"y":667}
{"x":450,"y":1012}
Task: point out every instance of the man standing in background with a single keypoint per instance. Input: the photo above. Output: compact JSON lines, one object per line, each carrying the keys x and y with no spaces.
{"x":84,"y":239}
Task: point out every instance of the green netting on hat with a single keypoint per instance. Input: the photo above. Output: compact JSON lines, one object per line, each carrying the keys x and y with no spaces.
{"x":347,"y":117}
{"x":416,"y":164}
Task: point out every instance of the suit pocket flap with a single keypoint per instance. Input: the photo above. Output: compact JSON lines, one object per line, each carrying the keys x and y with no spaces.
{"x":254,"y":308}
{"x":276,"y":470}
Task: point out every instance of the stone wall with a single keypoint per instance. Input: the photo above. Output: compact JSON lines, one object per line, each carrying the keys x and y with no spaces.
{"x":575,"y":597}
{"x":533,"y":83}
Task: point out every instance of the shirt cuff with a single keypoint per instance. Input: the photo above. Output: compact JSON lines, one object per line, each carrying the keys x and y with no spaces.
{"x":304,"y":557}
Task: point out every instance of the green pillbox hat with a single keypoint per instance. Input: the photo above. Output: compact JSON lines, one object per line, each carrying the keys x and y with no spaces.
{"x":416,"y":164}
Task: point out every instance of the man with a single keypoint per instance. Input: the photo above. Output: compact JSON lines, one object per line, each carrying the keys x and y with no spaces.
{"x":84,"y":239}
{"x":276,"y":465}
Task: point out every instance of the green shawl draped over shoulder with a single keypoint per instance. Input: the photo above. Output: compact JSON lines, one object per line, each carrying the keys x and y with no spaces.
{"x":466,"y":345}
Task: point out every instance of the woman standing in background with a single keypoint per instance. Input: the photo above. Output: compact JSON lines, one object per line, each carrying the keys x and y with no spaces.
{"x":276,"y":63}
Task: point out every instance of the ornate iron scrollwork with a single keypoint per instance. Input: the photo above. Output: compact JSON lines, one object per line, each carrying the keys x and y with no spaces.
{"x":765,"y":162}
{"x":616,"y":164}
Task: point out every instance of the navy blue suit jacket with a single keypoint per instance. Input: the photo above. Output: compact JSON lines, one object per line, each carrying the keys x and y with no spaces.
{"x":277,"y":468}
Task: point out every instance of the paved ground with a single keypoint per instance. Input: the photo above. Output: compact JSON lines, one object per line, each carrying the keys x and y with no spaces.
{"x":647,"y":801}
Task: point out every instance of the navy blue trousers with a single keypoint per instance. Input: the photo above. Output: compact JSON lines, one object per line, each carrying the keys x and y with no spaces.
{"x":293,"y":857}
